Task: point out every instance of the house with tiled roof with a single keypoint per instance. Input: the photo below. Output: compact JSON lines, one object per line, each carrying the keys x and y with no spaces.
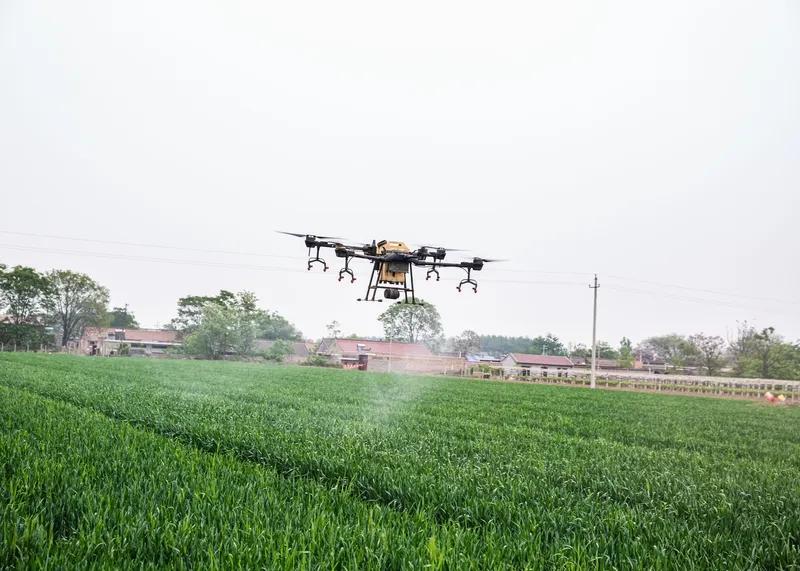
{"x":602,"y":363}
{"x":354,"y":347}
{"x":388,"y":356}
{"x":115,"y":341}
{"x":526,"y":365}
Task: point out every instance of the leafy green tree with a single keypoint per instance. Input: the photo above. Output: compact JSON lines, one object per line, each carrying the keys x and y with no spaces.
{"x":268,"y":324}
{"x":221,"y":330}
{"x":765,"y":348}
{"x":212,"y":334}
{"x":412,"y":322}
{"x":121,"y":318}
{"x":675,"y":349}
{"x":271,"y":325}
{"x":74,"y":301}
{"x":786,"y":363}
{"x":765,"y":354}
{"x":191,"y":307}
{"x":23,"y":291}
{"x":503,"y":344}
{"x":579,"y":351}
{"x":547,"y":345}
{"x":606,"y":351}
{"x":710,"y":349}
{"x":625,"y":355}
{"x":278,"y":351}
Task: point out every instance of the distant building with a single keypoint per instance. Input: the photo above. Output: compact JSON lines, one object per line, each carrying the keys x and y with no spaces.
{"x":483,"y":365}
{"x":388,"y":356}
{"x":486,"y":358}
{"x":113,"y":341}
{"x":602,"y":364}
{"x":525,"y":365}
{"x":650,"y":364}
{"x":580,"y":361}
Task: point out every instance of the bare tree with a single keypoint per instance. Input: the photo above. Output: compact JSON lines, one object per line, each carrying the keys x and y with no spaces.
{"x":467,"y":342}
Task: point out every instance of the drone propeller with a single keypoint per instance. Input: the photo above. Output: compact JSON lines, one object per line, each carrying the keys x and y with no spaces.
{"x":308,"y":235}
{"x":491,"y":260}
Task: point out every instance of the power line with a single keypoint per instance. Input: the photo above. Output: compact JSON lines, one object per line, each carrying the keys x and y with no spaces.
{"x":701,"y":300}
{"x":235,"y":252}
{"x":145,"y":245}
{"x":495,"y":269}
{"x":136,"y":258}
{"x":233,"y":265}
{"x":702,"y":290}
{"x":230,"y":265}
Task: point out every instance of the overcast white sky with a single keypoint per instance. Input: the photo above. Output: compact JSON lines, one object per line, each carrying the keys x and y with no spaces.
{"x":653,"y":143}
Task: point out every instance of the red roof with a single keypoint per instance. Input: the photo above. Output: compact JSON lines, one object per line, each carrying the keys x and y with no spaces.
{"x":397,"y":349}
{"x":135,"y":335}
{"x":545,"y":360}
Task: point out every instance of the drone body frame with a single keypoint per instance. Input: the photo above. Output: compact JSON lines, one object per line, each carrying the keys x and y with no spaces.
{"x":392,"y":265}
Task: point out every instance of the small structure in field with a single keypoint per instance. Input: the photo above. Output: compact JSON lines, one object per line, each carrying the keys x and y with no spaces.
{"x":116,"y":341}
{"x":525,"y":365}
{"x":388,"y":356}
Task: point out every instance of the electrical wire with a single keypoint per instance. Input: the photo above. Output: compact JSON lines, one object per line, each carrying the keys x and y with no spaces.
{"x":233,"y":265}
{"x":135,"y":258}
{"x":702,"y":290}
{"x":145,"y":245}
{"x":229,"y":265}
{"x":700,"y":300}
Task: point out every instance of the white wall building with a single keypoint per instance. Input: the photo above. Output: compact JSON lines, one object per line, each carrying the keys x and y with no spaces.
{"x":525,"y":365}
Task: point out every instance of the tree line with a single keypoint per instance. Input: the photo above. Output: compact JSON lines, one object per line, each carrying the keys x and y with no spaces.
{"x":49,"y":308}
{"x":55,"y":307}
{"x":753,"y":352}
{"x":230,"y":324}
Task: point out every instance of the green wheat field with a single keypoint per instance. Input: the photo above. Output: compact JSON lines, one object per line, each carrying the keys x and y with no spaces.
{"x":135,"y":463}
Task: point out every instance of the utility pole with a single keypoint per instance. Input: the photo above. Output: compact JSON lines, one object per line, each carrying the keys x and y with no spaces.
{"x":594,"y":334}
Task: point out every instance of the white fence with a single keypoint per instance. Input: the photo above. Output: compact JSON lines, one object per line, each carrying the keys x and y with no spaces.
{"x":686,"y":384}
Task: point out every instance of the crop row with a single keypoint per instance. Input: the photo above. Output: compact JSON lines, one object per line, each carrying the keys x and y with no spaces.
{"x":80,"y":490}
{"x":541,"y":471}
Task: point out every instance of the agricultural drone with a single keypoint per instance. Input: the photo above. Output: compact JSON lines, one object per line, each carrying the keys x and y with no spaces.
{"x":392,"y":264}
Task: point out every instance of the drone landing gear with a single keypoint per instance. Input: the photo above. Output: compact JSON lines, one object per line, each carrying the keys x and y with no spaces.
{"x":349,"y":272}
{"x":389,"y":292}
{"x":346,"y":270}
{"x":317,"y":260}
{"x":468,"y":281}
